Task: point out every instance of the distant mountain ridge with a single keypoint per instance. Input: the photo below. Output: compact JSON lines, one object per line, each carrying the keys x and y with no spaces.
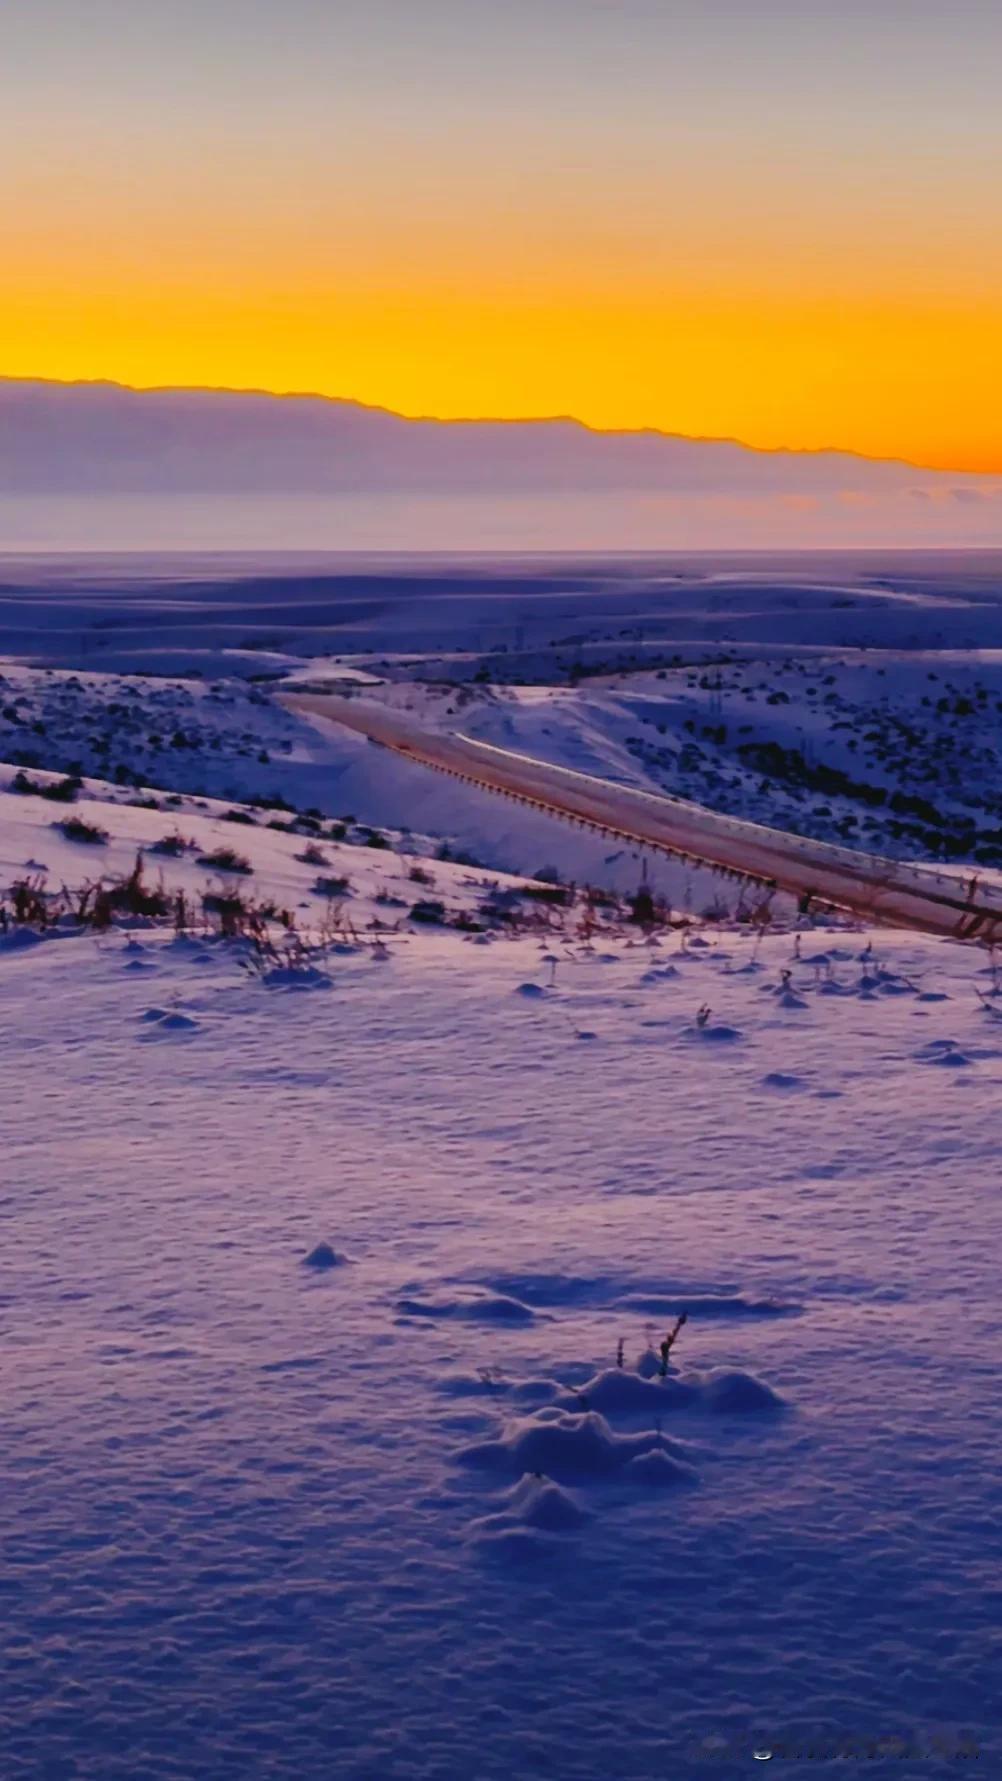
{"x":102,"y":465}
{"x":109,"y":438}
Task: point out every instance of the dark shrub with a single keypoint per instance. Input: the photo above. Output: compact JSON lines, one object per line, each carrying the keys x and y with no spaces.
{"x":428,"y":911}
{"x":171,"y":846}
{"x":64,"y":791}
{"x":229,"y":909}
{"x":331,"y":887}
{"x":226,"y":859}
{"x":76,"y":829}
{"x":558,"y":894}
{"x":132,"y":896}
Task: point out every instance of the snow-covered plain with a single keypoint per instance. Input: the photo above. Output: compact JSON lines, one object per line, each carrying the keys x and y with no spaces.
{"x":319,"y":1459}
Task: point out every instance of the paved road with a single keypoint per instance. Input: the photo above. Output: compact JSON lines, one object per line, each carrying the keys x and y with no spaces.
{"x":876,"y":889}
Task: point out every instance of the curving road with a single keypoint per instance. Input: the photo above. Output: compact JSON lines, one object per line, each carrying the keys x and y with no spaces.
{"x":879,"y":890}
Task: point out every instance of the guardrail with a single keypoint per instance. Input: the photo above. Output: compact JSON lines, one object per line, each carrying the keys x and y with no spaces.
{"x":867,"y":885}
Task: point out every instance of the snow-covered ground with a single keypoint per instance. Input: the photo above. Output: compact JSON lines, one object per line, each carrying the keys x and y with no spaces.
{"x":250,"y":1522}
{"x":336,"y":1440}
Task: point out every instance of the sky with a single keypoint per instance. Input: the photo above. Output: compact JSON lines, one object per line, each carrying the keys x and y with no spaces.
{"x":772,"y":220}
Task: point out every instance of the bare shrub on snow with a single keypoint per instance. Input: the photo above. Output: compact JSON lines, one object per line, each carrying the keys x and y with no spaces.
{"x":77,"y":828}
{"x":226,"y":859}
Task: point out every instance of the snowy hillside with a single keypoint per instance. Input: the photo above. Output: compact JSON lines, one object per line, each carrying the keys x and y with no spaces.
{"x":857,"y":699}
{"x":900,"y":756}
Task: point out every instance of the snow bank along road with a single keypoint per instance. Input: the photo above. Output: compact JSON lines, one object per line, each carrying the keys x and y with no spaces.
{"x":874,"y":888}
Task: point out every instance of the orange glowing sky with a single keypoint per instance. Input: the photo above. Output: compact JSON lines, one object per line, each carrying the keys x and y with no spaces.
{"x":778,"y":222}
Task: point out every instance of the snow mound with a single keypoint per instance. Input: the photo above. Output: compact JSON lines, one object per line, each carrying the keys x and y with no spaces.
{"x":778,"y":1079}
{"x":617,"y":1392}
{"x":620,"y":1392}
{"x":296,"y":977}
{"x":20,"y":939}
{"x":473,"y":1385}
{"x":468,"y":1305}
{"x":719,"y":1034}
{"x":534,"y":1502}
{"x":531,"y":990}
{"x":188,"y":946}
{"x":944,"y":1052}
{"x":706,"y":1304}
{"x":536,"y":1391}
{"x":502,"y":1538}
{"x":174,"y":1022}
{"x":560,"y":1444}
{"x":550,"y":1289}
{"x":323,"y":1257}
{"x":660,"y":1469}
{"x":732,"y":1392}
